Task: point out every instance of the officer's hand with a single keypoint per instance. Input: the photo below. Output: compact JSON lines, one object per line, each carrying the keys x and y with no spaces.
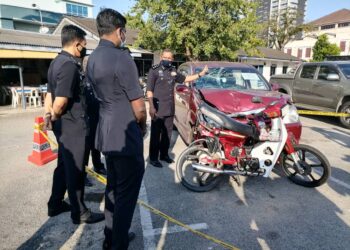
{"x":152,"y":112}
{"x":47,"y":122}
{"x":204,"y":71}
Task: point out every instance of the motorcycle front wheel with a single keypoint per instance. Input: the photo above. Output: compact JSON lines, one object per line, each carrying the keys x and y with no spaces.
{"x":194,"y":180}
{"x":315,"y":165}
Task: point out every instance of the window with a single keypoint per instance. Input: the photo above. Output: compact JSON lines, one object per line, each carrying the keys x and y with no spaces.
{"x":231,"y":78}
{"x":342,"y":46}
{"x":289,"y":52}
{"x":345,"y":68}
{"x":300,"y":53}
{"x":327,"y":27}
{"x":273,"y":70}
{"x":260,"y":68}
{"x":76,"y":10}
{"x":308,"y":71}
{"x":308,"y":53}
{"x":285,"y":70}
{"x":325,"y":70}
{"x":342,"y":25}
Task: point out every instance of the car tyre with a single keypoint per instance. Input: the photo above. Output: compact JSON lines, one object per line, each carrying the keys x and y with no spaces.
{"x":345,"y":121}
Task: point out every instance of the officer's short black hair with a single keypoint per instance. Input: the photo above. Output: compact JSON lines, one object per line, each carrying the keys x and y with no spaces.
{"x":108,"y":20}
{"x":71,"y":33}
{"x":167,"y":51}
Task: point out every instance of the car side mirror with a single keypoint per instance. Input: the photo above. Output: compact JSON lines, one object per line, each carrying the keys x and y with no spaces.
{"x":182,"y":88}
{"x":275,"y":86}
{"x":333,"y":77}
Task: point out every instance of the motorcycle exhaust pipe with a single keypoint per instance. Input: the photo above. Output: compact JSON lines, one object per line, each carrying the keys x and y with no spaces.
{"x":202,"y":168}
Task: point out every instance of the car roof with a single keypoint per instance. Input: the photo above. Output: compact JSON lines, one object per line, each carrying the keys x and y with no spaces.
{"x":217,"y":64}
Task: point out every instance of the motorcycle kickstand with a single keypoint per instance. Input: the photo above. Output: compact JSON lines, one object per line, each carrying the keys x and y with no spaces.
{"x":236,"y":179}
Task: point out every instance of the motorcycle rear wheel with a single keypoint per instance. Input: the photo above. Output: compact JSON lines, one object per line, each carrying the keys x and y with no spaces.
{"x":194,"y":180}
{"x":314,"y":163}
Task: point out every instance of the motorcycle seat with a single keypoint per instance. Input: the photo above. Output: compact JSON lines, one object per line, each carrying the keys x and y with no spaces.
{"x":227,"y":122}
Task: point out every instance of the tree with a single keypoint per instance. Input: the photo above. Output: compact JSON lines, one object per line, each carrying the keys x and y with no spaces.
{"x":324,"y":48}
{"x":201,"y":30}
{"x":283,"y":28}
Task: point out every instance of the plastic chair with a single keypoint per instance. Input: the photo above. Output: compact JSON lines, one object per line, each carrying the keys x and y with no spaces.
{"x":35,"y":98}
{"x":15,"y":98}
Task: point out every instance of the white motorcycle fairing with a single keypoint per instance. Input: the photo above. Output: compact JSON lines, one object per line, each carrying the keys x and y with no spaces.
{"x":268,"y":152}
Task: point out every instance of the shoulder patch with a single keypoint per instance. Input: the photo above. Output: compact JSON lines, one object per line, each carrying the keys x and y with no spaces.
{"x":155,"y":66}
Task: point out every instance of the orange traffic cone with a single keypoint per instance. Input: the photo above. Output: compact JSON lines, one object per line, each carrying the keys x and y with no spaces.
{"x":42,"y":152}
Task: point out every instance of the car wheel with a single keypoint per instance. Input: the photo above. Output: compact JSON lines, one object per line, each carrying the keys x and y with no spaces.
{"x":345,"y":120}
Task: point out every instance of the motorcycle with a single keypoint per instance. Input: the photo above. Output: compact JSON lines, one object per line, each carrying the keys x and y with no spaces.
{"x":226,"y":146}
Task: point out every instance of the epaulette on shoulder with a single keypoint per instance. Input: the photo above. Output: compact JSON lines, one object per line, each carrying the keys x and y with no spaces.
{"x":155,"y":66}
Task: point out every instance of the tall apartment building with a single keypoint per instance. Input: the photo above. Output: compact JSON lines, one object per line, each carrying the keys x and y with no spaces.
{"x":270,"y":8}
{"x":40,"y":15}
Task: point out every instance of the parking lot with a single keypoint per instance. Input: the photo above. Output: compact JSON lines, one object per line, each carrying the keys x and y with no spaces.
{"x":262,"y":213}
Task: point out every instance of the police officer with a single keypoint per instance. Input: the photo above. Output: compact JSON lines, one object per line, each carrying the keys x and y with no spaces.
{"x":122,"y":123}
{"x":92,"y":111}
{"x":64,"y":107}
{"x":160,"y":92}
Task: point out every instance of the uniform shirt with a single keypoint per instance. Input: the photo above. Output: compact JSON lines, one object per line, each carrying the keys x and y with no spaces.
{"x":65,"y":80}
{"x":161,"y":82}
{"x":114,"y":78}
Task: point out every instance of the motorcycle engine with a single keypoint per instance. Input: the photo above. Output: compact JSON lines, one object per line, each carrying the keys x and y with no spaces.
{"x":250,"y":164}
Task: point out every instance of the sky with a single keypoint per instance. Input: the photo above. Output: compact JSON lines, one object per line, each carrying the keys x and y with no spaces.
{"x":315,"y":8}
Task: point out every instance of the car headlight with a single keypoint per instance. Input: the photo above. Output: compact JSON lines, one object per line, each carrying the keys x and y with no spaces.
{"x":290,"y":114}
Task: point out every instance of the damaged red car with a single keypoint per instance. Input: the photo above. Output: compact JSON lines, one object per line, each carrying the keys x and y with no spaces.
{"x":233,"y":88}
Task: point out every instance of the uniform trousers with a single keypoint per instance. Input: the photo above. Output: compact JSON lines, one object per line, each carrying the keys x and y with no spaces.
{"x":161,"y":130}
{"x":69,"y":174}
{"x":124,"y":177}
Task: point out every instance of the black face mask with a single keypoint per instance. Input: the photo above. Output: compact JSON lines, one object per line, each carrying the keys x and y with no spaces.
{"x":83,"y":52}
{"x":166,"y":63}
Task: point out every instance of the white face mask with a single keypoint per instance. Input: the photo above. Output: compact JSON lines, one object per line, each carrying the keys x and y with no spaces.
{"x":123,"y":43}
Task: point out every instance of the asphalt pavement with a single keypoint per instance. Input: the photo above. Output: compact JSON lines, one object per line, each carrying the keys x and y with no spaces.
{"x":262,"y":213}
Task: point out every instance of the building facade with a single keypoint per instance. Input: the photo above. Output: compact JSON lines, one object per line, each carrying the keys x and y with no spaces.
{"x":335,"y":25}
{"x":269,"y":61}
{"x":40,"y":15}
{"x":268,"y":9}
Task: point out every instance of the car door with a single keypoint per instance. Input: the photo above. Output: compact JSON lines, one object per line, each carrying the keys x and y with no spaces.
{"x":182,"y":97}
{"x":325,"y":91}
{"x":303,"y":84}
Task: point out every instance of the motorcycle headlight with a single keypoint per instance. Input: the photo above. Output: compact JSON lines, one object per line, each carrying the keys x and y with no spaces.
{"x":210,"y":122}
{"x":290,"y":114}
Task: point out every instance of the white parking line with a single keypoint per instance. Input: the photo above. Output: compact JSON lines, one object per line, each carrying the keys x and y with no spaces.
{"x":339,"y":182}
{"x":146,"y":221}
{"x":174,"y":229}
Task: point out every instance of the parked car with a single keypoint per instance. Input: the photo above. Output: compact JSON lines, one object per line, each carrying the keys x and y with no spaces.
{"x":233,"y":88}
{"x":319,"y":86}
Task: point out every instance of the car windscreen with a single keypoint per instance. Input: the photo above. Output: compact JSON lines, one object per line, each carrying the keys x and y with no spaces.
{"x":231,"y":78}
{"x":345,"y":68}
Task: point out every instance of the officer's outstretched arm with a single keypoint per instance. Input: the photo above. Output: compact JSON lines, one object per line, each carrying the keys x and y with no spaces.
{"x":196,"y":76}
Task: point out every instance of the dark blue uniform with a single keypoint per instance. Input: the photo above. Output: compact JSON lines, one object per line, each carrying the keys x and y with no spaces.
{"x":65,"y":79}
{"x":92,"y":111}
{"x":114,"y":78}
{"x":161,"y":81}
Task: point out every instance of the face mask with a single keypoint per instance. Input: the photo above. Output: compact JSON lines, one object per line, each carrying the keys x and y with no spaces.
{"x":83,"y":52}
{"x":123,"y":43}
{"x":166,"y":63}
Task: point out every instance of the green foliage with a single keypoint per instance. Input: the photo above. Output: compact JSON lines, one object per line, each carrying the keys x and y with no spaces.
{"x":284,"y":28}
{"x":324,"y":48}
{"x":202,"y":30}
